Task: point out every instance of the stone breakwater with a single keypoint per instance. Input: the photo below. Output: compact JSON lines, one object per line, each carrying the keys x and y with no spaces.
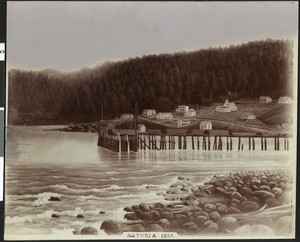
{"x":246,"y":203}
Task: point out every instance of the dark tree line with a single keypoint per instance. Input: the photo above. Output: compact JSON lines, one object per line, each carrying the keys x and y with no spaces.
{"x":154,"y":81}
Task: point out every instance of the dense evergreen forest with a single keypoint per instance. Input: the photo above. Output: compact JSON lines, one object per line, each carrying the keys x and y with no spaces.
{"x":154,"y":81}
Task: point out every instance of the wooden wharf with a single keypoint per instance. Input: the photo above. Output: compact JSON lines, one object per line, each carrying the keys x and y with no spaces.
{"x":122,"y":140}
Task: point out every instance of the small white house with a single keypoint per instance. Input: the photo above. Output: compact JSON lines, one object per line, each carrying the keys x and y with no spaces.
{"x":164,"y":116}
{"x":265,"y":99}
{"x":285,"y":100}
{"x":182,"y":108}
{"x":232,"y":106}
{"x":127,"y":116}
{"x":247,"y":116}
{"x":206,"y":125}
{"x":149,"y":112}
{"x":223,"y":109}
{"x":141,"y":128}
{"x":180,"y":122}
{"x":190,"y":113}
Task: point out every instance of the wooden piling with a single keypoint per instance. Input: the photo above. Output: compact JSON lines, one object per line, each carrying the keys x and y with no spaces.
{"x":239,"y":144}
{"x":193,"y":145}
{"x":184,"y":142}
{"x":198,"y":143}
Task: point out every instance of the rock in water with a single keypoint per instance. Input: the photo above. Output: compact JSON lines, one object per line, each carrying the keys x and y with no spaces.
{"x":249,"y":206}
{"x":110,"y":227}
{"x":155,"y":214}
{"x":55,"y":215}
{"x":80,"y":216}
{"x":221,"y":208}
{"x":284,"y":226}
{"x":53,"y":199}
{"x":236,"y":195}
{"x":272,"y":202}
{"x":233,"y":210}
{"x":89,"y":230}
{"x":228,"y":223}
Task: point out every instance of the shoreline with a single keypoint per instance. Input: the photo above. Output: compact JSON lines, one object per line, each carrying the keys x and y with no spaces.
{"x":242,"y":203}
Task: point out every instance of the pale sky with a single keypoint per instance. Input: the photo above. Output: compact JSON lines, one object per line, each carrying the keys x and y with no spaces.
{"x":72,"y":35}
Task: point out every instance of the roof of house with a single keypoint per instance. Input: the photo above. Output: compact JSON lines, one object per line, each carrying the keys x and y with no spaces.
{"x":145,"y":110}
{"x":205,"y":122}
{"x":284,"y":98}
{"x":248,"y":114}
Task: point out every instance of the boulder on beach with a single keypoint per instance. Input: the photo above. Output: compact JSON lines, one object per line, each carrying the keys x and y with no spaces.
{"x":245,"y":191}
{"x":55,"y":215}
{"x":236,"y":195}
{"x":209,"y":227}
{"x":131,"y":216}
{"x":128,"y":209}
{"x":154,"y":228}
{"x":221,"y":208}
{"x":263,"y":195}
{"x":144,"y":207}
{"x":233,"y":210}
{"x":209,"y":207}
{"x":155,"y":214}
{"x":146,"y":216}
{"x":133,"y":228}
{"x":199,"y":220}
{"x":159,"y":205}
{"x":277,"y":191}
{"x":167,"y":215}
{"x":89,"y":230}
{"x":181,"y":217}
{"x":236,"y":202}
{"x":164,"y":223}
{"x":249,"y":206}
{"x":135,"y":207}
{"x":264,"y":188}
{"x":228,"y":224}
{"x":190,"y":227}
{"x":80,"y":216}
{"x":110,"y":227}
{"x":214,"y":216}
{"x":272,"y":202}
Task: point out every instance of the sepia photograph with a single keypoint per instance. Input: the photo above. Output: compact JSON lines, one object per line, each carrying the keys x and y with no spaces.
{"x":151,"y":120}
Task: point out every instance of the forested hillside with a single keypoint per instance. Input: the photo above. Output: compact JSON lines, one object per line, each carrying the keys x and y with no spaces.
{"x":155,"y":81}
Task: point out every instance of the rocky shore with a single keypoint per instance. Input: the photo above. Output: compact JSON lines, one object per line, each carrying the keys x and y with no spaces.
{"x":245,"y":203}
{"x":84,"y":128}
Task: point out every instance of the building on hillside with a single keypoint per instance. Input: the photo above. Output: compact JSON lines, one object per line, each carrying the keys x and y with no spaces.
{"x":285,"y":100}
{"x":265,"y":99}
{"x":247,"y":116}
{"x":182,"y":108}
{"x":232,"y":106}
{"x":223,"y":109}
{"x":206,"y":125}
{"x":149,"y":112}
{"x":190,"y":113}
{"x":142,"y":128}
{"x":111,"y":125}
{"x":180,"y":122}
{"x":127,"y":116}
{"x":164,"y":116}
